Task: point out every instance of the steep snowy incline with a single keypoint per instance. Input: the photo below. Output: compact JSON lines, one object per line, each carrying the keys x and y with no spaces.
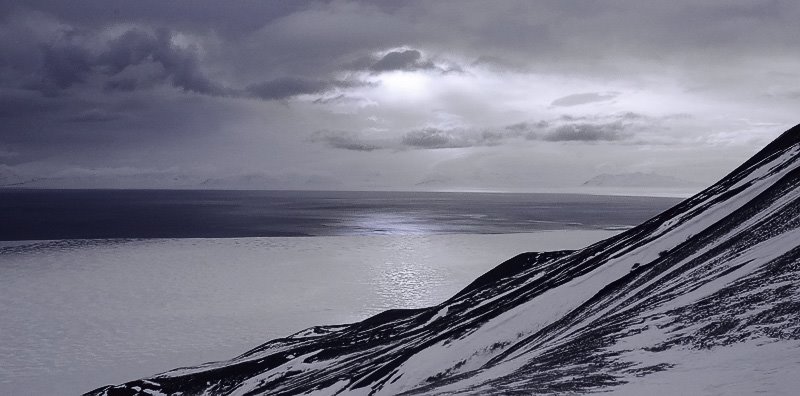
{"x":718,"y":271}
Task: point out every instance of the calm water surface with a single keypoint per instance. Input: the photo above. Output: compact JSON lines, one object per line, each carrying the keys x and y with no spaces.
{"x":71,"y":214}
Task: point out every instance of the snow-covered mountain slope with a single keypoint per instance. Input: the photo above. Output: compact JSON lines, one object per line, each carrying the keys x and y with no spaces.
{"x":693,"y":300}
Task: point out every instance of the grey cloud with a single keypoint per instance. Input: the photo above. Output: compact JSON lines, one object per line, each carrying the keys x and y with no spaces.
{"x":138,"y":59}
{"x":16,"y":103}
{"x":572,"y":118}
{"x":564,"y":129}
{"x":584,"y":98}
{"x":210,"y":14}
{"x":531,"y":130}
{"x":341,"y":98}
{"x":344,"y":140}
{"x":518,"y":127}
{"x":286,"y":87}
{"x":122,"y":85}
{"x":94,"y":115}
{"x":133,"y":47}
{"x":422,"y":139}
{"x":71,"y":60}
{"x":631,"y":116}
{"x":498,"y":63}
{"x":434,"y":138}
{"x":568,"y":128}
{"x":587,"y":132}
{"x":64,"y":65}
{"x":587,"y":128}
{"x":313,"y":36}
{"x":406,"y":60}
{"x":492,"y":138}
{"x":264,"y":41}
{"x":181,"y":65}
{"x":75,"y":128}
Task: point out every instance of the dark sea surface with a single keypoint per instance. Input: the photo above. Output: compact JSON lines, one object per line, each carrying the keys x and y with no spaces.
{"x":82,"y":214}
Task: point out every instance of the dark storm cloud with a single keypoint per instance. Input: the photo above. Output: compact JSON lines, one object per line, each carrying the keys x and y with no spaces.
{"x":135,"y":47}
{"x":287,"y":87}
{"x":95,"y":131}
{"x":15,"y":103}
{"x":139,"y":59}
{"x":180,"y":66}
{"x":180,"y":14}
{"x":344,"y":140}
{"x":317,"y":37}
{"x":94,"y":115}
{"x":68,"y":56}
{"x":127,"y":84}
{"x":265,"y":41}
{"x":64,"y":65}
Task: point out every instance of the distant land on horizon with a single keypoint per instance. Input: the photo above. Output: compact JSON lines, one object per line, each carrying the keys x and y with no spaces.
{"x":639,"y":180}
{"x":630,"y":184}
{"x":634,"y":184}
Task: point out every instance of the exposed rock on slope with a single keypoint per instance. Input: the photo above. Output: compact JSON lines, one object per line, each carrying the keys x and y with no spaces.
{"x":686,"y":295}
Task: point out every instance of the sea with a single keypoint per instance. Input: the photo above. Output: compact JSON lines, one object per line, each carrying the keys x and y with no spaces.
{"x":104,"y":286}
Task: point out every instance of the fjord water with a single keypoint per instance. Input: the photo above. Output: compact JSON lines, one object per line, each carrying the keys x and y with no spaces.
{"x":77,"y":314}
{"x":69,"y":214}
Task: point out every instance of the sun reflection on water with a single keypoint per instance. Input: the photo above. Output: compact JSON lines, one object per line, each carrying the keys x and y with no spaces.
{"x":408,"y":278}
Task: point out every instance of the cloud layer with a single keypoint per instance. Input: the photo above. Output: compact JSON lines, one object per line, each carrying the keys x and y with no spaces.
{"x":620,"y":127}
{"x":385,"y":94}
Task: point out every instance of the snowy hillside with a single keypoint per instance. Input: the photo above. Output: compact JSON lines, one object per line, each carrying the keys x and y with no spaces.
{"x":702,"y":299}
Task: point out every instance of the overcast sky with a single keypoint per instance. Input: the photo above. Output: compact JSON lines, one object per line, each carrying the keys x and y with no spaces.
{"x":484,"y":95}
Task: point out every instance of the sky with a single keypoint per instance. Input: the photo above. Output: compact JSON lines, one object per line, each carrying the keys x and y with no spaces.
{"x":387,"y":95}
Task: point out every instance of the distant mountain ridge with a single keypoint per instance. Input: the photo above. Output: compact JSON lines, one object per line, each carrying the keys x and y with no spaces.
{"x":703,"y":297}
{"x":637,"y":179}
